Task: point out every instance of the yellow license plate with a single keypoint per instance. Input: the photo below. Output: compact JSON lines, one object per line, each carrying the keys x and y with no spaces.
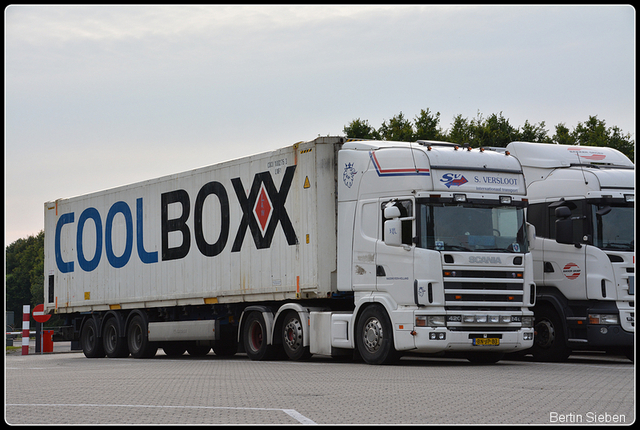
{"x":490,"y":341}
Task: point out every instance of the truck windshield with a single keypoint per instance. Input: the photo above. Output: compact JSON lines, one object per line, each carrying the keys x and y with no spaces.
{"x":614,"y":229}
{"x":471,"y":227}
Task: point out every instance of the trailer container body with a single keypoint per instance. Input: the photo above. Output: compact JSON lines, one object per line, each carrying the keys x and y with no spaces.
{"x":324,"y":247}
{"x":581,"y":201}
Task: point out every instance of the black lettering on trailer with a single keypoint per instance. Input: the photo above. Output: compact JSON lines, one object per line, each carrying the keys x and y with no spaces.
{"x":207,"y":249}
{"x":176,"y":224}
{"x":279,"y":214}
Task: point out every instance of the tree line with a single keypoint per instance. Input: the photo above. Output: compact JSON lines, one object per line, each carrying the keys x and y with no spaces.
{"x":24,"y":282}
{"x":493,"y":130}
{"x":24,"y":276}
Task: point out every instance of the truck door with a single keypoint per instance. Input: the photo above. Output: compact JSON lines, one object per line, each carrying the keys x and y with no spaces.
{"x":365,"y":238}
{"x":565,"y":263}
{"x":394,"y":263}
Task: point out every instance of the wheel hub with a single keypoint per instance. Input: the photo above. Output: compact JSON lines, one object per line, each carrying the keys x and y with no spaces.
{"x":293,"y":334}
{"x":545,"y":334}
{"x":373,"y":335}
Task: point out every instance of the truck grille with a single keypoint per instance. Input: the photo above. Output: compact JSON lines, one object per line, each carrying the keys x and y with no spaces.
{"x":477,"y":289}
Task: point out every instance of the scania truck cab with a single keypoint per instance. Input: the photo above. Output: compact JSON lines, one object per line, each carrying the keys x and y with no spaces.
{"x":581,"y":201}
{"x":439,"y":239}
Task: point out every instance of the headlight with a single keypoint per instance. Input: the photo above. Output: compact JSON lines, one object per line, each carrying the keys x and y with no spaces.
{"x":436,"y":321}
{"x":430,"y":321}
{"x":494,"y":318}
{"x":603,"y":319}
{"x":527,"y":322}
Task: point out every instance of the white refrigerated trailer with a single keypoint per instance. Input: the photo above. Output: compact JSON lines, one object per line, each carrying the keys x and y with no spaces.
{"x":324,"y":247}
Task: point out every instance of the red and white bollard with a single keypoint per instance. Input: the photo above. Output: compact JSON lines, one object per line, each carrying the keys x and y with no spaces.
{"x":26,"y":315}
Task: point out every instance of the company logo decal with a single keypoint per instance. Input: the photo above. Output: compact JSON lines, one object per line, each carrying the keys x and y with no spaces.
{"x":474,"y":259}
{"x":348,"y":174}
{"x":411,"y":171}
{"x":588,"y":154}
{"x":571,"y":271}
{"x":453,"y":179}
{"x":262,"y":210}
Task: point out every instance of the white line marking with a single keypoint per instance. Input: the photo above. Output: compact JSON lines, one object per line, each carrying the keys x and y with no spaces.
{"x":291,"y":412}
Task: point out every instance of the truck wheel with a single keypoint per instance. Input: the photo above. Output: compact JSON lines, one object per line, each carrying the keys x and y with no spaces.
{"x":292,"y":337}
{"x":114,"y":345}
{"x":91,"y":343}
{"x":138,"y":340}
{"x":549,"y":342}
{"x":255,"y":338}
{"x":374,"y":336}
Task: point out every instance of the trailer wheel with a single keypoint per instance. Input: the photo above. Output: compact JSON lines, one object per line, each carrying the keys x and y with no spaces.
{"x":196,"y":350}
{"x":227,"y":345}
{"x":292,"y":337}
{"x":114,"y":345}
{"x":174,"y":349}
{"x":254,"y":337}
{"x":374,"y":336}
{"x":91,"y":343}
{"x":138,"y":340}
{"x":548,"y":343}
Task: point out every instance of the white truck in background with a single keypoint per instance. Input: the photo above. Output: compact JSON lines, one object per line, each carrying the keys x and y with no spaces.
{"x":325,"y":247}
{"x":581,"y":202}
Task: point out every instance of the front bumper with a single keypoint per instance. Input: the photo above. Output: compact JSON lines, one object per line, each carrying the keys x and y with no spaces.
{"x":431,"y":340}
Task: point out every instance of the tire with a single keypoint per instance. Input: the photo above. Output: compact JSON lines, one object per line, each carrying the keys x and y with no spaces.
{"x":374,"y":336}
{"x":138,"y":340}
{"x":174,"y":349}
{"x":227,"y":345}
{"x":292,"y":337}
{"x":254,"y":338}
{"x":90,"y":341}
{"x":485,"y":357}
{"x":196,"y":350}
{"x":114,"y":345}
{"x":549,"y":342}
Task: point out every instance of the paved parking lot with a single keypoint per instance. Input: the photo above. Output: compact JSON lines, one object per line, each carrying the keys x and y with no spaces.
{"x":67,"y":388}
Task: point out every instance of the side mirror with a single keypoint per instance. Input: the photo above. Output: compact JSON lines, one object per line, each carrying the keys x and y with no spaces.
{"x":564,"y":225}
{"x":392,"y":227}
{"x":531,"y":235}
{"x":392,"y":212}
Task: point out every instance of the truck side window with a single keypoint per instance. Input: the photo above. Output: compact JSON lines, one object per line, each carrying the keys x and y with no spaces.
{"x":537,"y":215}
{"x":406,"y":210}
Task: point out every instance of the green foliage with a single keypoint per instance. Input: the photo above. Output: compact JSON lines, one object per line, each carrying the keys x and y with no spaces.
{"x":399,"y":128}
{"x":24,"y":274}
{"x":361,"y":130}
{"x":426,"y":125}
{"x":494,"y":130}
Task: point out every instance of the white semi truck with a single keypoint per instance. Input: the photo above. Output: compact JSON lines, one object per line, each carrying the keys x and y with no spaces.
{"x":325,"y":247}
{"x":581,"y":202}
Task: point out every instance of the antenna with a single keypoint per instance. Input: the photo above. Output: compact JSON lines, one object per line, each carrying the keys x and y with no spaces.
{"x":581,"y":167}
{"x":413,"y":156}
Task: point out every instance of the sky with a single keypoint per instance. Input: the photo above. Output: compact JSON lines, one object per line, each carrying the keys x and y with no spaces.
{"x":101,"y":96}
